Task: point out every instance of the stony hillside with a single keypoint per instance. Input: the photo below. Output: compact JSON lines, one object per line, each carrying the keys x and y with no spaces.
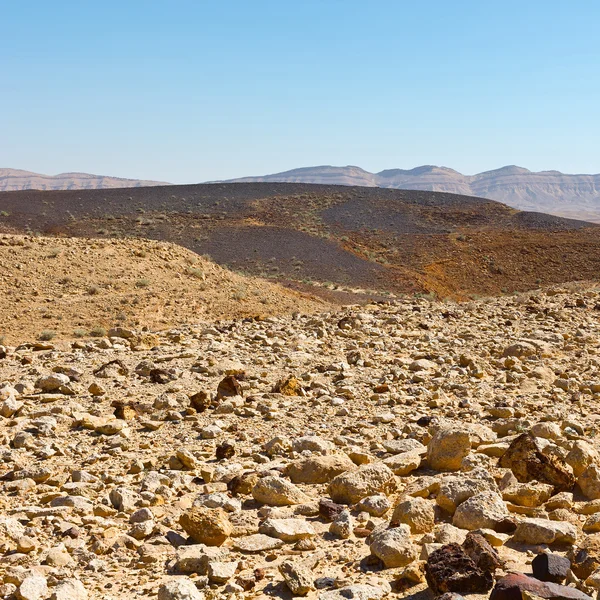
{"x":333,"y":239}
{"x":573,"y":196}
{"x":15,"y":179}
{"x":67,"y":288}
{"x":389,"y":451}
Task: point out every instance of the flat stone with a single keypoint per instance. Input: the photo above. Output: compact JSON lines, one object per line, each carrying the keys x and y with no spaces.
{"x":258,"y":542}
{"x":288,"y":530}
{"x":511,"y":587}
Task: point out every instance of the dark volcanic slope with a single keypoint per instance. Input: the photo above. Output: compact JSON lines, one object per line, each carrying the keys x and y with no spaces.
{"x":379,"y":239}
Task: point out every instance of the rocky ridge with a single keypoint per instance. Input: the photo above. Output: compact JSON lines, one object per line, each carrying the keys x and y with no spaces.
{"x":16,"y":179}
{"x":378,"y":451}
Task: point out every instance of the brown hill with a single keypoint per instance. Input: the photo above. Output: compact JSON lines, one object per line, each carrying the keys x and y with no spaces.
{"x":385,"y":240}
{"x":65,"y":287}
{"x":15,"y":179}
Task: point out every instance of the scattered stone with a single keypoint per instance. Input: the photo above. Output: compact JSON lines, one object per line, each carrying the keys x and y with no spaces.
{"x":544,"y":531}
{"x":394,"y":547}
{"x":208,"y":526}
{"x":343,"y":525}
{"x":33,"y":587}
{"x":481,"y":511}
{"x":350,"y":488}
{"x":328,"y":510}
{"x":288,"y":530}
{"x":275,"y":491}
{"x":257,"y":542}
{"x":450,"y":569}
{"x":447,"y":449}
{"x":297,"y":577}
{"x":376,"y":506}
{"x":589,"y":482}
{"x":417,"y":513}
{"x":551,"y":567}
{"x":181,"y":588}
{"x":69,"y":589}
{"x":319,"y":469}
{"x":481,"y":552}
{"x":528,"y":463}
{"x":515,"y":585}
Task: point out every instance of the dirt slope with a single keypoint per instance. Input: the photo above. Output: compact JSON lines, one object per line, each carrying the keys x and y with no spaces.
{"x":382,"y":240}
{"x":80,"y":287}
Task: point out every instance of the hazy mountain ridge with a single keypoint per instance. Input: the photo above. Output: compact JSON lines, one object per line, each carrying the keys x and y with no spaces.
{"x":575,"y":196}
{"x":15,"y":179}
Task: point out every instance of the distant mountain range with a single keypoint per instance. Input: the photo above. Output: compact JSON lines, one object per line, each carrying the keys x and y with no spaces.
{"x":575,"y":196}
{"x":14,"y":179}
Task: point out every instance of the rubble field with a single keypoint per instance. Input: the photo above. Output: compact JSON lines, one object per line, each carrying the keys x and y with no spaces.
{"x":409,"y":449}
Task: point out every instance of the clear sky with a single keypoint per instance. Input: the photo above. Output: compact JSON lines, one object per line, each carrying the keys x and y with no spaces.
{"x":193,"y":90}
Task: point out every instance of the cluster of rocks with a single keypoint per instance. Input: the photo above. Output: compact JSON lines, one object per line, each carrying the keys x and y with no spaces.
{"x":382,"y":451}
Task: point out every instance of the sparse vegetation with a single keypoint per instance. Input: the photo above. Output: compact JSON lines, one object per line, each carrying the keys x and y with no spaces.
{"x":47,"y":335}
{"x":98,"y":331}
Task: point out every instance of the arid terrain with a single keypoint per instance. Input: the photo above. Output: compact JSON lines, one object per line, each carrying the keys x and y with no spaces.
{"x":373,"y":428}
{"x":383,"y":451}
{"x":65,"y":288}
{"x":345,"y":239}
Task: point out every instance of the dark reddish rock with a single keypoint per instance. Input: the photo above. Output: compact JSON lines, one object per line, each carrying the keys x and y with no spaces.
{"x":329,"y":510}
{"x":200,"y":401}
{"x":229,"y":387}
{"x":528,"y":463}
{"x":481,"y":552}
{"x":512,"y":586}
{"x":161,"y":376}
{"x":225,"y":450}
{"x":451,"y":569}
{"x":551,"y":567}
{"x":506,"y":526}
{"x":241,"y":485}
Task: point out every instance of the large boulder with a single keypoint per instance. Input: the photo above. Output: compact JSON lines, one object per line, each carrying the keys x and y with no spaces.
{"x":350,"y":488}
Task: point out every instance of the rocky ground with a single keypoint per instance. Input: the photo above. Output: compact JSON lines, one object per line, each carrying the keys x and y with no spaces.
{"x":407,"y":449}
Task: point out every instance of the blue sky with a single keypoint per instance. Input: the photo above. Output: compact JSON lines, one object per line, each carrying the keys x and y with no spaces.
{"x":188,"y":91}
